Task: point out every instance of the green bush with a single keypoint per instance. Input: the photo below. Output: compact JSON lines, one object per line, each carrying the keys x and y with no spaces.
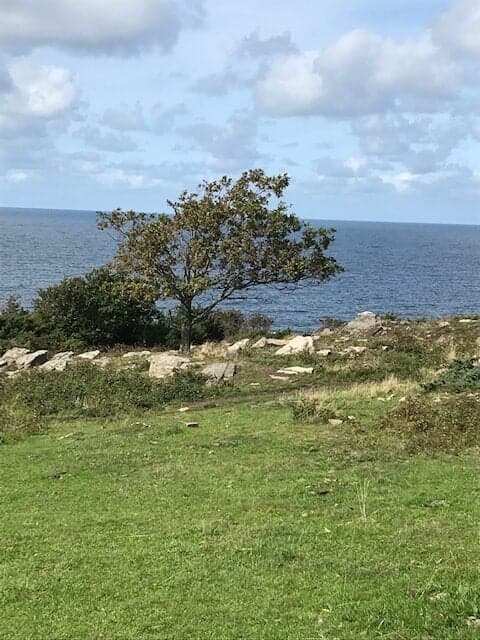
{"x":309,"y":409}
{"x":88,"y":390}
{"x":102,"y":308}
{"x":17,"y":421}
{"x":461,"y":375}
{"x":447,"y":423}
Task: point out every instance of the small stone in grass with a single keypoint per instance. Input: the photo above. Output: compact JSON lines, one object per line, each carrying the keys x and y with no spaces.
{"x":335,"y":422}
{"x":183,"y":409}
{"x":192,"y":425}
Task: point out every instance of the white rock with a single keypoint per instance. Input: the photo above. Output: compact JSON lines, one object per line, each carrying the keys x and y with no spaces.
{"x":165,"y":364}
{"x":219,"y":371}
{"x":295,"y":371}
{"x":353,"y":351}
{"x":282,"y":378}
{"x":363,"y":322}
{"x":59,"y":361}
{"x":89,"y":355}
{"x":276,"y":342}
{"x":336,"y":422}
{"x":238,"y":346}
{"x":30,"y":360}
{"x":260,"y":344}
{"x":299,"y":344}
{"x":12,"y":355}
{"x":324,"y":353}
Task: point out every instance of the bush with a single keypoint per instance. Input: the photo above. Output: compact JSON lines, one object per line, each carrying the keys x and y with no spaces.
{"x":17,"y":421}
{"x":310,"y":409}
{"x":102,"y":308}
{"x":88,"y":390}
{"x":447,"y":423}
{"x":16,"y":325}
{"x":461,"y":375}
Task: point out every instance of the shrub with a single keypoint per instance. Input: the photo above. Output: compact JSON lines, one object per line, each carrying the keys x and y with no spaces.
{"x":102,"y":308}
{"x":16,"y":325}
{"x":310,"y":409}
{"x":17,"y":421}
{"x":447,"y":423}
{"x":461,"y":375}
{"x":86,"y":389}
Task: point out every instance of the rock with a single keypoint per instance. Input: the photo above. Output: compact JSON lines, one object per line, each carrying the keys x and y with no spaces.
{"x":137,"y":354}
{"x":282,"y":378}
{"x":89,"y":355}
{"x":165,"y":364}
{"x":219,"y":371}
{"x":12,"y":355}
{"x":30,"y":360}
{"x":299,"y":344}
{"x":365,"y":321}
{"x":238,"y":346}
{"x":260,"y":344}
{"x":444,"y":324}
{"x":295,"y":371}
{"x":276,"y":342}
{"x":466,"y":320}
{"x":59,"y":361}
{"x":192,"y":425}
{"x":184,"y":409}
{"x":335,"y":422}
{"x":324,"y":353}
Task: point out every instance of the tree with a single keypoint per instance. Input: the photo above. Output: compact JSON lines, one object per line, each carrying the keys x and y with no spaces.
{"x":226,"y":238}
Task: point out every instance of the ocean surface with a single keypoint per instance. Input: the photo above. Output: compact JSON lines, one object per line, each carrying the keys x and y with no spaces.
{"x":414,"y":270}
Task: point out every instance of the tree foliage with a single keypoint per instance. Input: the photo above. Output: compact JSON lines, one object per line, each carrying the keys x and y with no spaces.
{"x":229,"y":236}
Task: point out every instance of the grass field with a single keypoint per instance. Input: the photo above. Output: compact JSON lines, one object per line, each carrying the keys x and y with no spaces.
{"x":251,"y":526}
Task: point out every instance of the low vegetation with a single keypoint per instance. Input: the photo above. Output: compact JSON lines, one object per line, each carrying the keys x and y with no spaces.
{"x":337,"y":504}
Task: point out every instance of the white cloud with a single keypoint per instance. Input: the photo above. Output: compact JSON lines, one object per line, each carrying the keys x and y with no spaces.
{"x":125,"y":118}
{"x":360,"y":73}
{"x":40,"y":91}
{"x":106,"y":140}
{"x":458,"y":29}
{"x":123,"y":26}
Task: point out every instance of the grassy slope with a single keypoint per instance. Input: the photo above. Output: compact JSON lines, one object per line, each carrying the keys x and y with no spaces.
{"x":223,"y":532}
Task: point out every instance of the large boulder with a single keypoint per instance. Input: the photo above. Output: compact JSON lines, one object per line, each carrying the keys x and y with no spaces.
{"x":137,"y":354}
{"x":299,"y":344}
{"x":59,"y":361}
{"x":235,"y":348}
{"x":218,"y":371}
{"x":12,"y":355}
{"x":30,"y":360}
{"x":163,"y":365}
{"x":365,"y":321}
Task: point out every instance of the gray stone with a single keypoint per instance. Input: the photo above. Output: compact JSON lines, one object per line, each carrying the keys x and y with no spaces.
{"x":335,"y":422}
{"x":59,"y":361}
{"x":324,"y":353}
{"x":299,"y":344}
{"x":89,"y":355}
{"x":281,"y":378}
{"x":12,"y":355}
{"x":163,"y":365}
{"x":295,"y":371}
{"x":219,"y":371}
{"x":354,"y":351}
{"x":238,"y":346}
{"x":276,"y":342}
{"x":30,"y":360}
{"x":365,"y":321}
{"x":260,"y":344}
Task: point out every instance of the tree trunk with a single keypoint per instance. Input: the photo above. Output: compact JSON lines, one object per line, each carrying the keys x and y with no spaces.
{"x":186,"y":332}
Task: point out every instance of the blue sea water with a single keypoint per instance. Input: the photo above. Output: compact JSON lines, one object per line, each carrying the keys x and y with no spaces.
{"x":414,"y":270}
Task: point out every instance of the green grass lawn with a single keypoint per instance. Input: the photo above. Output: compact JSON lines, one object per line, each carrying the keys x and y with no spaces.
{"x":250,"y":526}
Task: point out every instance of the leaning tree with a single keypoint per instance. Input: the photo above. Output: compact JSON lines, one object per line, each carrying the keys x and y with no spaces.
{"x":224,"y":239}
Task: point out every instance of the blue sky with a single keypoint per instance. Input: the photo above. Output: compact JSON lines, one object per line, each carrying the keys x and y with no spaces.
{"x":372,"y":107}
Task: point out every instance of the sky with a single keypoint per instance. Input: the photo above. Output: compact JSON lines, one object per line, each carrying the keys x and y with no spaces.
{"x":372,"y":107}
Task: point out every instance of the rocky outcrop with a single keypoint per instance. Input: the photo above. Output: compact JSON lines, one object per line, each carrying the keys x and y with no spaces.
{"x":59,"y":361}
{"x":12,"y":356}
{"x":30,"y":360}
{"x":163,"y":365}
{"x":89,"y":355}
{"x":218,"y":371}
{"x":299,"y":344}
{"x":236,"y":347}
{"x":137,"y":354}
{"x":365,"y":321}
{"x":295,"y":371}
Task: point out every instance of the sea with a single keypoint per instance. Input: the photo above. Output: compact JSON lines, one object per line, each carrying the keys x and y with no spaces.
{"x":412,"y":270}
